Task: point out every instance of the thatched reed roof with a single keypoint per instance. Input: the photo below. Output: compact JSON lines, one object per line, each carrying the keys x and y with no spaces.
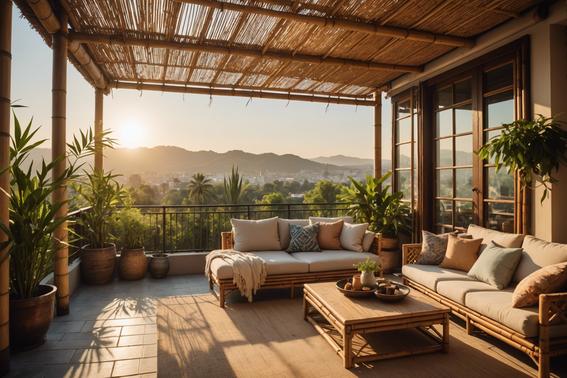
{"x":345,"y":49}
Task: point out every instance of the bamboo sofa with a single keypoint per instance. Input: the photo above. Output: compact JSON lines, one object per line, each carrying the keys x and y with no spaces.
{"x":539,"y":331}
{"x":291,"y":270}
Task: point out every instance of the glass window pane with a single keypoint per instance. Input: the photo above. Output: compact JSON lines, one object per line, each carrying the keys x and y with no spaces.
{"x":500,"y":216}
{"x":500,"y":184}
{"x":403,"y":109}
{"x":464,"y":150}
{"x":444,"y":183}
{"x":403,"y":133}
{"x":463,"y":213}
{"x":463,"y":183}
{"x":498,"y":109}
{"x":444,"y":212}
{"x":403,"y":156}
{"x":444,"y":123}
{"x":463,"y":90}
{"x":491,"y":134}
{"x":498,"y":78}
{"x":403,"y":183}
{"x":444,"y":97}
{"x":444,"y":152}
{"x":463,"y":119}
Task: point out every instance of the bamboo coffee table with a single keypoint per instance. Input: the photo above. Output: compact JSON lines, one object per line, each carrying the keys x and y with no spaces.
{"x":358,"y":328}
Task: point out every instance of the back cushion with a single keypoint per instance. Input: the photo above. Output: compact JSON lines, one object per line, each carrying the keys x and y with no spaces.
{"x":346,"y":219}
{"x":503,"y":239}
{"x":283,"y":228}
{"x":537,"y":254}
{"x":256,"y":235}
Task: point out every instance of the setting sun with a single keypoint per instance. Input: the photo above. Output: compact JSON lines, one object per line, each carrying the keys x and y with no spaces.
{"x":131,"y":134}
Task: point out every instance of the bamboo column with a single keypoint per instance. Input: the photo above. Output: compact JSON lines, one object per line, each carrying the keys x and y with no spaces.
{"x":5,"y":72}
{"x":99,"y":107}
{"x":58,"y":142}
{"x":378,"y":134}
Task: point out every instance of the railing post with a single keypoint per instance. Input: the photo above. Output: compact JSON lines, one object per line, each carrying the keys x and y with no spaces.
{"x":163,"y":229}
{"x":288,"y":211}
{"x":248,"y":212}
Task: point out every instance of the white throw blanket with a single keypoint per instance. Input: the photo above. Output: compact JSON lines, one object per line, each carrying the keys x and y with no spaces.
{"x":249,"y":271}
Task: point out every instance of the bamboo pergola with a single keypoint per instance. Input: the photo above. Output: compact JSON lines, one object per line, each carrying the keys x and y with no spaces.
{"x":328,"y":51}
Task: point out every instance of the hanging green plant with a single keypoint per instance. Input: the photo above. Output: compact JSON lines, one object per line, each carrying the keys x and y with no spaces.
{"x":534,"y":149}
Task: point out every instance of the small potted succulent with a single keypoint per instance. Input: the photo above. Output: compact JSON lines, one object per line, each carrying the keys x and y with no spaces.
{"x":130,"y":229}
{"x":367,"y":270}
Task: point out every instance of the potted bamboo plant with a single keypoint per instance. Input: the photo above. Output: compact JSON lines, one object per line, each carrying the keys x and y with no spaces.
{"x":102,"y":194}
{"x":33,"y":220}
{"x":130,"y":229}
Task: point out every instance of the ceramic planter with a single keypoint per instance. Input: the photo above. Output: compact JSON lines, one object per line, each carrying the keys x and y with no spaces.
{"x":97,"y":264}
{"x":30,"y":318}
{"x":159,"y":265}
{"x":368,"y":279}
{"x":133,"y":264}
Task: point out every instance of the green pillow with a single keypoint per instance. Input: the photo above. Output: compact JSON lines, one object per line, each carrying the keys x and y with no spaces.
{"x":496,"y":265}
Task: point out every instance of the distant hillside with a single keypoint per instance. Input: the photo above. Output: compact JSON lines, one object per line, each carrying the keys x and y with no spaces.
{"x":343,"y":161}
{"x":164,"y":159}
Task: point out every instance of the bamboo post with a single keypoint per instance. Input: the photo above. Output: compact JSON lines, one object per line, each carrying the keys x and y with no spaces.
{"x":378,"y":134}
{"x":99,"y":107}
{"x":58,"y":141}
{"x":5,"y":77}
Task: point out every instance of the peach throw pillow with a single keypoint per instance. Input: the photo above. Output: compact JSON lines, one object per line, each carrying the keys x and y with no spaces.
{"x":549,"y":279}
{"x":329,"y":235}
{"x":461,"y":253}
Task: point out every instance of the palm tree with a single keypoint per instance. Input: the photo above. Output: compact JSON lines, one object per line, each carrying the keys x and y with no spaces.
{"x":233,"y":187}
{"x":200,"y":188}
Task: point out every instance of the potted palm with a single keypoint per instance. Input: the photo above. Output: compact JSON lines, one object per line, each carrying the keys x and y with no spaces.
{"x":385,"y":212}
{"x":33,"y":220}
{"x":130,"y":229}
{"x":102,"y":194}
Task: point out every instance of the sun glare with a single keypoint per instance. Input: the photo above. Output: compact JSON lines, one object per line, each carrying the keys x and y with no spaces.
{"x":132,"y":134}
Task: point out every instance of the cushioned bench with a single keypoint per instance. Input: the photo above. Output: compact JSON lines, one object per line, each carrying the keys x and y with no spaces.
{"x":540,"y":331}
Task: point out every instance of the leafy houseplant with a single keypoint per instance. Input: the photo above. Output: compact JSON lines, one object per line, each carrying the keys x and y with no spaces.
{"x":367,"y":269}
{"x":102,"y":194}
{"x":33,"y":221}
{"x":130,"y":228}
{"x":532,"y":149}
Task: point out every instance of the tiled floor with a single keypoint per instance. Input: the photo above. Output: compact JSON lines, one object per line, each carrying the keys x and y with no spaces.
{"x":110,"y":332}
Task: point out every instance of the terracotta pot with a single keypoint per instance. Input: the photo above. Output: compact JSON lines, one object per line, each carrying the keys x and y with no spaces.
{"x":356,"y":282}
{"x":97,"y":265}
{"x":159,"y":265}
{"x":133,"y":264}
{"x":30,"y":318}
{"x":389,"y":244}
{"x":391,"y":261}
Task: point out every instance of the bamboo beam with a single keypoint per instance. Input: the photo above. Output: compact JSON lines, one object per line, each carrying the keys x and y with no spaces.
{"x":378,"y":134}
{"x":58,"y":148}
{"x":98,"y":129}
{"x":5,"y":78}
{"x":44,"y":13}
{"x":242,"y":93}
{"x":346,"y":24}
{"x":116,"y":39}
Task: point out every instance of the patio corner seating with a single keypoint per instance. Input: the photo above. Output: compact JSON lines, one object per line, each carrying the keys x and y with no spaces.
{"x":291,"y":270}
{"x":539,"y":331}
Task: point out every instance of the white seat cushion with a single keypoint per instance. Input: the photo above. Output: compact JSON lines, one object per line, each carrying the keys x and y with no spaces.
{"x":430,"y":275}
{"x":278,"y":262}
{"x":497,"y":305}
{"x":457,"y":290}
{"x":333,"y":260}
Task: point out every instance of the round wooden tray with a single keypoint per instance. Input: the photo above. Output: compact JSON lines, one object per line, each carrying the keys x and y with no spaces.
{"x":353,"y":293}
{"x":401,"y":292}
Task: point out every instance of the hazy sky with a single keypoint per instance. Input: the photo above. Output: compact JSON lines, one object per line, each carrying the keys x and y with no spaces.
{"x":153,"y":118}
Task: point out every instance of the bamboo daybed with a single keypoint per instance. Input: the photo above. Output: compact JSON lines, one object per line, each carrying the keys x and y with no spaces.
{"x":552,"y":312}
{"x":291,"y":281}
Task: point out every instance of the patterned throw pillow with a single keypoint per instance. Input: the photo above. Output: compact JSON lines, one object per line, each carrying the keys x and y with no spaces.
{"x":303,"y":238}
{"x":433,"y":248}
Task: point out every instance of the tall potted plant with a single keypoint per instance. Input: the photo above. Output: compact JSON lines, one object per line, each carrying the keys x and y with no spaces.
{"x":130,"y":229}
{"x":373,"y":202}
{"x":533,"y":149}
{"x":102,"y":194}
{"x":33,"y":220}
